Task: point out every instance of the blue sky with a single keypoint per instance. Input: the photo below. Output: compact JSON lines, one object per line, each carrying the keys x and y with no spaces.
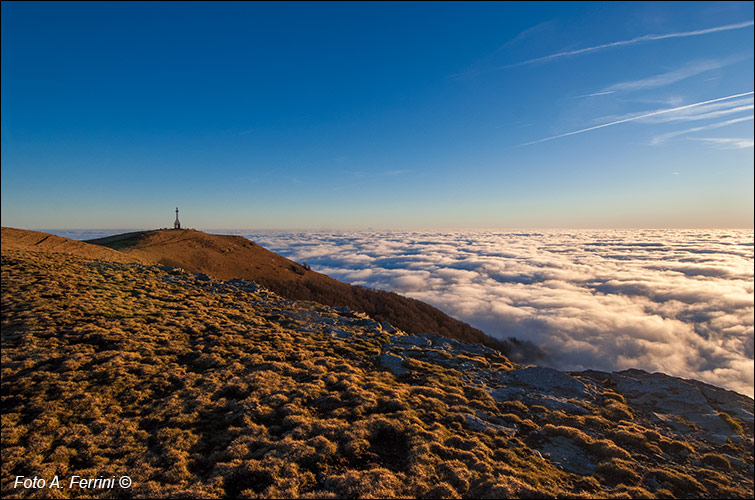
{"x":377,"y":115}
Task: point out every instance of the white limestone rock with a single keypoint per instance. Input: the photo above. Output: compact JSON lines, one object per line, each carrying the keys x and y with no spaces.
{"x":552,"y":381}
{"x":477,"y":424}
{"x":393,"y":363}
{"x":678,"y":403}
{"x":567,"y":455}
{"x":409,"y":341}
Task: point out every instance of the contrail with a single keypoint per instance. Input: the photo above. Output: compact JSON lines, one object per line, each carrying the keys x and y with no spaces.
{"x":604,"y":92}
{"x":661,"y":138}
{"x":654,"y":113}
{"x":643,"y":38}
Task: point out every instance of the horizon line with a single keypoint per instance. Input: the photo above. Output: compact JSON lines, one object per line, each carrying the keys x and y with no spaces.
{"x":437,"y":229}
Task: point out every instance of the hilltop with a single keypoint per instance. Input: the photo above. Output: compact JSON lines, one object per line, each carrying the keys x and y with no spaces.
{"x":36,"y":241}
{"x":227,"y":257}
{"x":204,"y":388}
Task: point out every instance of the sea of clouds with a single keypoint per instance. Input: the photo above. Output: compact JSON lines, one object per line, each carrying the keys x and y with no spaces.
{"x":678,"y":302}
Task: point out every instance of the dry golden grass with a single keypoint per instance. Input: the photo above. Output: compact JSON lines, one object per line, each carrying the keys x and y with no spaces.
{"x":197,"y":391}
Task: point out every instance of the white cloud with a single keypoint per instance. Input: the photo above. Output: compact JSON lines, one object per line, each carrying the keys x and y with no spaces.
{"x":679,"y":302}
{"x":663,"y":79}
{"x":727,"y":142}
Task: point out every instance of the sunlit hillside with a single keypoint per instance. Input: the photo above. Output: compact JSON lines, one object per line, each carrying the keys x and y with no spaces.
{"x":227,"y":257}
{"x":197,"y":387}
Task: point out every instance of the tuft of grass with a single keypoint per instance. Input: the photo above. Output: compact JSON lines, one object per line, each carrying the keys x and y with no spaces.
{"x":615,"y":410}
{"x":733,"y":422}
{"x":716,"y":460}
{"x":676,"y":447}
{"x":601,"y":448}
{"x":679,"y":483}
{"x":514,"y":406}
{"x":617,"y":471}
{"x":605,"y":448}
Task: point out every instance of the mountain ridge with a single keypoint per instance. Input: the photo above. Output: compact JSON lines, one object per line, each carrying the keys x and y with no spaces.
{"x":230,"y":256}
{"x":206,"y":388}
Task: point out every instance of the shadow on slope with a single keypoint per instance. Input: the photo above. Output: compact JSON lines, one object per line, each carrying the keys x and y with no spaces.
{"x":226,"y":257}
{"x":36,"y":241}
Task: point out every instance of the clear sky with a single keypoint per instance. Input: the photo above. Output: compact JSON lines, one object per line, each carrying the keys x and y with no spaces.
{"x":377,"y":115}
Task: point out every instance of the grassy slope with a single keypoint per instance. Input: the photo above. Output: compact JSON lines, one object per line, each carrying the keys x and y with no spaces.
{"x":226,"y":257}
{"x":35,"y":241}
{"x":112,"y":369}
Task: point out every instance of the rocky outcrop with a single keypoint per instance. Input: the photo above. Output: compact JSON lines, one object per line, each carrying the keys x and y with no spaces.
{"x":697,"y":406}
{"x":677,"y":407}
